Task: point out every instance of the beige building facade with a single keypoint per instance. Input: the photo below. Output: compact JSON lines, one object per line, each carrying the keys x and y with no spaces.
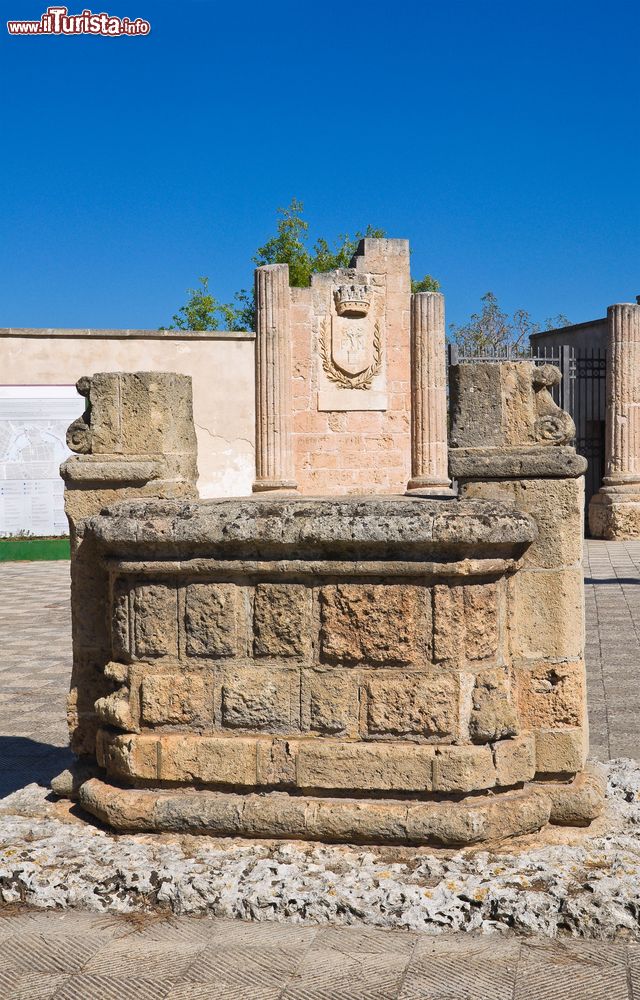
{"x":220,"y":364}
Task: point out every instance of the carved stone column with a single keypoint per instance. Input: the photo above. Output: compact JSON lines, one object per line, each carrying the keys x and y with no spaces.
{"x":274,"y":452}
{"x":428,"y":395}
{"x":614,"y":512}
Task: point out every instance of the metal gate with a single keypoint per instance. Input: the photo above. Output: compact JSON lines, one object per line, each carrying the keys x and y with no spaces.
{"x":589,"y":414}
{"x":582,"y":393}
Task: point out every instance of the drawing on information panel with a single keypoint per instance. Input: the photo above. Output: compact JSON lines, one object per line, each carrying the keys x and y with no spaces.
{"x":33,"y":424}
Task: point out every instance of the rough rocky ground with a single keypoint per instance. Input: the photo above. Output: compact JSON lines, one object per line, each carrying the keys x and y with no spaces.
{"x":584,"y":883}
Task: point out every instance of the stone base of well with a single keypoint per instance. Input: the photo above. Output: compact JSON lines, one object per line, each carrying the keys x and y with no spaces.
{"x":461,"y":822}
{"x":614,"y":514}
{"x":361,"y":669}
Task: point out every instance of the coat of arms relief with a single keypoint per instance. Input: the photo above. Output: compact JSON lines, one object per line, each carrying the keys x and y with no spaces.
{"x":352,"y":354}
{"x":350,"y":346}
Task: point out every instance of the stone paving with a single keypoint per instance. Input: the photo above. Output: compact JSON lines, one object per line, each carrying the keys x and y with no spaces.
{"x":75,"y":956}
{"x":63,"y":956}
{"x":612,"y":596}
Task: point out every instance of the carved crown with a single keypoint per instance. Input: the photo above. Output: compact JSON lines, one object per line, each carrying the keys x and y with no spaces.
{"x":354,"y":299}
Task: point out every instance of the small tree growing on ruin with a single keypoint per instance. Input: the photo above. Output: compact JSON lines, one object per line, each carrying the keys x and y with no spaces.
{"x":288,"y":245}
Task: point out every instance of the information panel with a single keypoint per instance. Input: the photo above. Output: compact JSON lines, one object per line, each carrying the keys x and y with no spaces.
{"x":33,"y":425}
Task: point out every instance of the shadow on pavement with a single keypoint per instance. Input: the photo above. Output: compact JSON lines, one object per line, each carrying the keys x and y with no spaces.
{"x":23,"y":760}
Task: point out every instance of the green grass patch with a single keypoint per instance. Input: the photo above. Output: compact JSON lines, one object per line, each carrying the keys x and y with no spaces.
{"x":28,"y":549}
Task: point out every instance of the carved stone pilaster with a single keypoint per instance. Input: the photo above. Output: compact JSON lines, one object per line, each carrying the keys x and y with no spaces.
{"x":428,"y":395}
{"x":614,"y":512}
{"x":274,"y":452}
{"x":136,"y":439}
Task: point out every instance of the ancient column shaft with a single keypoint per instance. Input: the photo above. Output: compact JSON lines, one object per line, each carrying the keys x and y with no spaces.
{"x":428,"y":394}
{"x":623,"y":394}
{"x":274,"y":453}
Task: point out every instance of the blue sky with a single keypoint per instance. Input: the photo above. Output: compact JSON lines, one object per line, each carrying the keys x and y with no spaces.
{"x":501,"y":138}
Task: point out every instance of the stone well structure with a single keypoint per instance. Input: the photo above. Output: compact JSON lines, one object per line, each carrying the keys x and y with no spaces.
{"x":402,"y":669}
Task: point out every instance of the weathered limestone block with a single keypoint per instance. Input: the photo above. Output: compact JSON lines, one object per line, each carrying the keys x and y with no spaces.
{"x":330,"y":702}
{"x":493,"y":715}
{"x":156,"y":614}
{"x":561,"y":751}
{"x":418,"y":704}
{"x":176,"y":699}
{"x":136,"y":414}
{"x":551,"y":694}
{"x":281,"y":619}
{"x":515,"y":760}
{"x":127,"y":756}
{"x":577,"y":802}
{"x":547,"y":615}
{"x":261,"y":698}
{"x":211,"y":619}
{"x":207,"y":760}
{"x":506,"y":405}
{"x":276,"y":762}
{"x":143,"y":620}
{"x":463,"y":769}
{"x":385,"y":624}
{"x":369,"y":766}
{"x":466,"y":822}
{"x":614,"y":513}
{"x":121,"y":617}
{"x":556,"y":504}
{"x":465,"y":622}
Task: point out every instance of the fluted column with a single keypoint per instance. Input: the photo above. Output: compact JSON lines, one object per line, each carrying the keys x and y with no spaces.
{"x":623,"y":394}
{"x":274,"y":453}
{"x":428,"y":394}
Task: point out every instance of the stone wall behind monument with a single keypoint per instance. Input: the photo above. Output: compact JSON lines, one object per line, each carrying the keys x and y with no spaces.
{"x":220,"y":364}
{"x":349,"y":429}
{"x":350,"y":440}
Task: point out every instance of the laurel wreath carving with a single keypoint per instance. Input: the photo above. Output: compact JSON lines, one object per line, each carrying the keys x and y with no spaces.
{"x":365,"y":378}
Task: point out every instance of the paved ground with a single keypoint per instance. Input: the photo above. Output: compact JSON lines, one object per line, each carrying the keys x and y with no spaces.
{"x":75,"y":955}
{"x":612,"y":596}
{"x":78,"y":956}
